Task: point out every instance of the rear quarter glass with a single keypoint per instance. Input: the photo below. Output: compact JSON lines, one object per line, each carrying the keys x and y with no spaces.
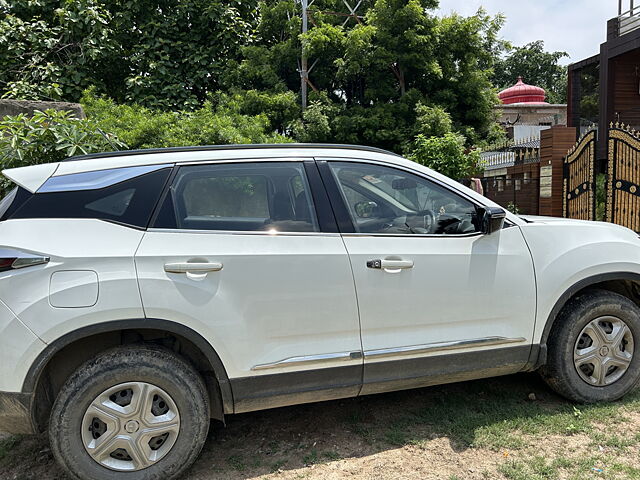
{"x":129,"y":202}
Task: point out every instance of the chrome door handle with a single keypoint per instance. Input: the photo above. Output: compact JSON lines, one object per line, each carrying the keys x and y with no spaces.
{"x":396,"y":264}
{"x":195,"y":267}
{"x":390,"y":265}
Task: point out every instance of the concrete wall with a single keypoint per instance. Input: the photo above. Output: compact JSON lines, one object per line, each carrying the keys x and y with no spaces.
{"x":532,"y":114}
{"x":15,"y":107}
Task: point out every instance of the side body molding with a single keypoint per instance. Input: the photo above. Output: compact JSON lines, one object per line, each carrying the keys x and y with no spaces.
{"x":198,"y":340}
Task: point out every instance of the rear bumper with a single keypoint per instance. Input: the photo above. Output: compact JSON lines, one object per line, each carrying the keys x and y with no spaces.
{"x":15,"y":413}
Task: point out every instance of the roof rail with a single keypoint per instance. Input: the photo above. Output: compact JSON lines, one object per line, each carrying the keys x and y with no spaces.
{"x":145,"y":151}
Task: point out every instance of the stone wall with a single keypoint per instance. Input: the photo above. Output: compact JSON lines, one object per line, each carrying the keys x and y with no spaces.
{"x":15,"y":107}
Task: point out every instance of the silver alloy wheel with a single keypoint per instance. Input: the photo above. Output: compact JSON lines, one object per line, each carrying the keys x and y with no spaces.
{"x":130,"y":426}
{"x":603,"y":351}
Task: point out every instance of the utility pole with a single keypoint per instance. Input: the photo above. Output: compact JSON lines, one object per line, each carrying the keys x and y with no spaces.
{"x":304,"y":73}
{"x":303,"y":67}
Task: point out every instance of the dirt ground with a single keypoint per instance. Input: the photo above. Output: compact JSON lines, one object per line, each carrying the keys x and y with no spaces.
{"x":504,"y":428}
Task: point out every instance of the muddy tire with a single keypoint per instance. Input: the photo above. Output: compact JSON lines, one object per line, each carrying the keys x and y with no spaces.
{"x":594,"y":348}
{"x":131,"y":413}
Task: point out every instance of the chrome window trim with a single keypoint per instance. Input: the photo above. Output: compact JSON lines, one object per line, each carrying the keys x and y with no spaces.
{"x":294,"y":158}
{"x":244,"y":232}
{"x":97,"y":179}
{"x":415,"y":235}
{"x":440,"y":347}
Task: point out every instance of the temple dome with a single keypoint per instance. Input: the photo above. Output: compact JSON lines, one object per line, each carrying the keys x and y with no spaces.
{"x":522,"y":93}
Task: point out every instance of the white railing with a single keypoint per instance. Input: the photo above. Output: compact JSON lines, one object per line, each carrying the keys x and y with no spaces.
{"x":629,"y":20}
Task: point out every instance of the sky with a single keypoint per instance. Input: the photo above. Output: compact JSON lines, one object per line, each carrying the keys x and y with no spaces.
{"x":577,"y":27}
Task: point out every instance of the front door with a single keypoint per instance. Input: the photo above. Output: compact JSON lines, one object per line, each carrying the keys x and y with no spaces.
{"x":439,"y":301}
{"x":238,"y":254}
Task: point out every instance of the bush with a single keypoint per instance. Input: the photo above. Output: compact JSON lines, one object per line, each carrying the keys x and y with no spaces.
{"x":213,"y":124}
{"x":445,"y":154}
{"x":50,"y":136}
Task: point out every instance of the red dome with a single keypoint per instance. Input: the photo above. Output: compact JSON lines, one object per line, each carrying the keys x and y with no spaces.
{"x":522,"y":93}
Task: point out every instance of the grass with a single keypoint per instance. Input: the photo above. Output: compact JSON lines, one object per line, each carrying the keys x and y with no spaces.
{"x":7,"y":445}
{"x":479,"y":419}
{"x":520,"y":439}
{"x":590,"y":467}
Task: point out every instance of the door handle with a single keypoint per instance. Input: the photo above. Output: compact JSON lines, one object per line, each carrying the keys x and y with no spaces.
{"x":396,"y":264}
{"x":390,"y":265}
{"x":192,"y":267}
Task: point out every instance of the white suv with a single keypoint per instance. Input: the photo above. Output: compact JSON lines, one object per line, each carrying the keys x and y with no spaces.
{"x":145,"y":292}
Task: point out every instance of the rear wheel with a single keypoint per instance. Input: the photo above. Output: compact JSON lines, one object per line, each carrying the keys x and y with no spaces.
{"x":592,"y":348}
{"x":134,"y":412}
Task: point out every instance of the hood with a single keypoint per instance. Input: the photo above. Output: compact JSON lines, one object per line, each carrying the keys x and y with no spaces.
{"x":553,"y":220}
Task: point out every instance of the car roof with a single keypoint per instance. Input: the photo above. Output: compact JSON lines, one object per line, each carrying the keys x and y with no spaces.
{"x":32,"y":177}
{"x":251,"y":146}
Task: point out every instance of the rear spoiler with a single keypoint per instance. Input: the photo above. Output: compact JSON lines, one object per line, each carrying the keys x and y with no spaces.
{"x":31,"y":178}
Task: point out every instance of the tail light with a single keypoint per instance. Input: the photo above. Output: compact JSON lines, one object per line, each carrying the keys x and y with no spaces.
{"x":12,"y":259}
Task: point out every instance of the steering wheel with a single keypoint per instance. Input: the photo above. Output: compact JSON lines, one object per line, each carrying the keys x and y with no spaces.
{"x":423,"y":222}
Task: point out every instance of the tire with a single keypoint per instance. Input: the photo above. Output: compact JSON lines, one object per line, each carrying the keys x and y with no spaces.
{"x":591,"y":357}
{"x":162,"y":392}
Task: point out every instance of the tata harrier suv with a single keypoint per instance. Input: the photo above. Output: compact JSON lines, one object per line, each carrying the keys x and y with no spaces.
{"x":144,"y":292}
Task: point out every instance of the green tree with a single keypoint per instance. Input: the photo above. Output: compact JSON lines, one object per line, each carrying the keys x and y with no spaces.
{"x":50,"y":136}
{"x":446,"y":155}
{"x":373,"y":73}
{"x":53,"y":50}
{"x":537,"y":67}
{"x":159,"y":53}
{"x":217,"y":122}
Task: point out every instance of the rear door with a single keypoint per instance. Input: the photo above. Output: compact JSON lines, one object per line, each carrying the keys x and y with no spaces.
{"x":248,"y":254}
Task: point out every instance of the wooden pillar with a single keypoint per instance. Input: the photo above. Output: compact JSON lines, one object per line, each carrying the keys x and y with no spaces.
{"x":555,"y":142}
{"x":607,"y":111}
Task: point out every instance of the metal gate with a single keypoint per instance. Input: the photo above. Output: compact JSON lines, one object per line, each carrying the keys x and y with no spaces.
{"x":623,"y":168}
{"x":579,"y":179}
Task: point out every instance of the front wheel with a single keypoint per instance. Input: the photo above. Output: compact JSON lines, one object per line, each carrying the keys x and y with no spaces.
{"x":594,"y":348}
{"x":134,"y":412}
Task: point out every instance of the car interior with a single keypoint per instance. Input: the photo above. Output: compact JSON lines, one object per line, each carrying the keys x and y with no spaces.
{"x":382,"y":201}
{"x":266,"y":198}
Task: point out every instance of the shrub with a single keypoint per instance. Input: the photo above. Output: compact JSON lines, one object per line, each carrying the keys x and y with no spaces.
{"x":213,"y":124}
{"x":445,"y":154}
{"x":49,"y":136}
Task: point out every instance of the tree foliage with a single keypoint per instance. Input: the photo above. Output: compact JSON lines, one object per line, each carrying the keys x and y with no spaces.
{"x":372,"y":74}
{"x":537,"y":67}
{"x":50,"y":136}
{"x":193,"y":72}
{"x":159,"y":53}
{"x":446,"y":155}
{"x":217,"y":122}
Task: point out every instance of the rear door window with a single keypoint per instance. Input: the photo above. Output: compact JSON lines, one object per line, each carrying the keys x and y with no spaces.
{"x":268,"y":196}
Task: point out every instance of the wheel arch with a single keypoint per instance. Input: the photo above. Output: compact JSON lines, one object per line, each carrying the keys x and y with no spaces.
{"x":53,"y":365}
{"x":624,"y":283}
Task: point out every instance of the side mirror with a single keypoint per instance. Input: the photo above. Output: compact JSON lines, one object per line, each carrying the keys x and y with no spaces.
{"x":365,"y":209}
{"x":492,"y":219}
